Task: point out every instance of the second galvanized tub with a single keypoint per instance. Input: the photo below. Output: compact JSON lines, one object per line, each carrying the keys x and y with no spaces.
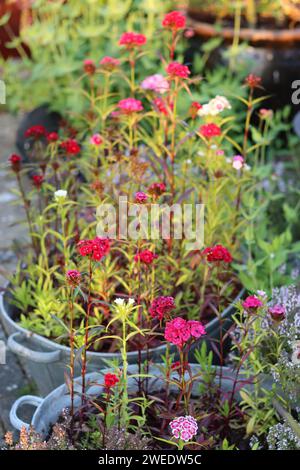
{"x":49,"y":409}
{"x":47,"y":361}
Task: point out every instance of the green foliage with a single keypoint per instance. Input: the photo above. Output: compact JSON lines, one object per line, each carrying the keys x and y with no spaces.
{"x":61,"y":36}
{"x":251,"y":10}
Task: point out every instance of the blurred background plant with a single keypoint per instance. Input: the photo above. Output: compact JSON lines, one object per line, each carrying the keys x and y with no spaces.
{"x":59,"y":36}
{"x":252,"y":11}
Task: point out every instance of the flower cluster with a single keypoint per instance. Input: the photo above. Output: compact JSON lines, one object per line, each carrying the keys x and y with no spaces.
{"x":178,"y":331}
{"x":174,"y":21}
{"x":157,"y":189}
{"x":131,"y":40}
{"x":252,"y":303}
{"x":130,"y":105}
{"x":214,"y":107}
{"x":96,"y":140}
{"x":184,"y":428}
{"x":37,"y":181}
{"x":253,"y":81}
{"x":161,"y":306}
{"x":277,"y":312}
{"x":145,"y":256}
{"x":140,"y":197}
{"x":36,"y":132}
{"x":89,"y":66}
{"x":266,"y":113}
{"x":210,"y":130}
{"x":96,"y":248}
{"x":73,"y":277}
{"x":52,"y":137}
{"x":238,"y":162}
{"x":15,"y":161}
{"x":60,"y":195}
{"x":110,"y":380}
{"x":157,"y":83}
{"x":282,"y":437}
{"x":177,"y":70}
{"x":109,"y":63}
{"x":217,"y":254}
{"x":70,"y":146}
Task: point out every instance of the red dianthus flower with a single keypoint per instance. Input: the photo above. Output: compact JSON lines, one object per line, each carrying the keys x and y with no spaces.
{"x":96,"y":248}
{"x":52,"y":136}
{"x":70,"y":146}
{"x":73,"y":277}
{"x":37,"y":181}
{"x":253,"y":81}
{"x":177,"y":70}
{"x":145,"y":256}
{"x":210,"y":130}
{"x":174,"y":20}
{"x":160,"y":306}
{"x":89,"y":66}
{"x":15,"y":161}
{"x":252,"y":303}
{"x":130,"y":105}
{"x":110,"y":380}
{"x":36,"y":132}
{"x":132,"y":40}
{"x":217,"y":253}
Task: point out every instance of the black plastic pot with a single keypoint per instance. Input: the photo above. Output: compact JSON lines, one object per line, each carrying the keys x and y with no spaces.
{"x":39,"y":116}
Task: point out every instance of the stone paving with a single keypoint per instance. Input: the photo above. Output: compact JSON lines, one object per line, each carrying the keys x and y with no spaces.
{"x":14,"y":381}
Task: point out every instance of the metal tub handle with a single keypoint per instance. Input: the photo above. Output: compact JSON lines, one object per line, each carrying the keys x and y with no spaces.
{"x":35,"y":356}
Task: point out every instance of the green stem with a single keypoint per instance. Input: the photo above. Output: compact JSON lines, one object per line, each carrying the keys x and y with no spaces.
{"x":124,"y":403}
{"x":86,"y":334}
{"x":72,"y":355}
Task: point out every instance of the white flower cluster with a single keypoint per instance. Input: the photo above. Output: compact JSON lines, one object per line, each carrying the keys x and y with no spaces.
{"x":121,"y":302}
{"x":215,"y":106}
{"x":60,"y":195}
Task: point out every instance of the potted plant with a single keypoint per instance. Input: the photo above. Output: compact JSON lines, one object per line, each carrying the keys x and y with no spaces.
{"x":115,"y":394}
{"x":155,"y":149}
{"x":158,"y":407}
{"x":274,"y":343}
{"x":269,"y":28}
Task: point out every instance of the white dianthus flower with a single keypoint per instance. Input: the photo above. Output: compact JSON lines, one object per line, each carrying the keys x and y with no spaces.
{"x":215,"y":106}
{"x":60,"y":195}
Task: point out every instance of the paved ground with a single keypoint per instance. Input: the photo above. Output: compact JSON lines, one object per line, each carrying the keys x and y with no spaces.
{"x":14,"y":382}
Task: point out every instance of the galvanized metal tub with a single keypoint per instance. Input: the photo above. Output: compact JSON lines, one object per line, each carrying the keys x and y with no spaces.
{"x":48,"y":409}
{"x":47,"y":361}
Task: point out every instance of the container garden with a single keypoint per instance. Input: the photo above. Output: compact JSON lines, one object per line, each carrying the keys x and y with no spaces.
{"x":49,"y":409}
{"x":61,"y":209}
{"x":47,"y":360}
{"x":273,"y":50}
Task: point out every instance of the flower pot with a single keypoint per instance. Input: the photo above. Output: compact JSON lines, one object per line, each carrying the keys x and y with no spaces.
{"x":49,"y":409}
{"x":274,"y":54}
{"x":47,"y":361}
{"x":19,"y":14}
{"x":42,"y":116}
